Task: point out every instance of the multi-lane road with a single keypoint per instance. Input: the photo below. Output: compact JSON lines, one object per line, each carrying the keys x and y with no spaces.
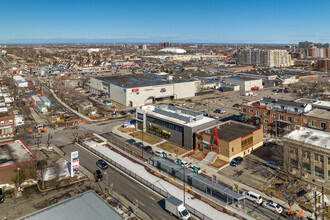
{"x":149,"y":202}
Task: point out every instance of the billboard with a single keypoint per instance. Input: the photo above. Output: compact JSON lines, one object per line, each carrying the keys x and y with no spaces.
{"x":74,"y":162}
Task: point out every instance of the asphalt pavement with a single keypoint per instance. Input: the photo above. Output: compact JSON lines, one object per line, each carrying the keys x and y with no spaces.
{"x":149,"y":202}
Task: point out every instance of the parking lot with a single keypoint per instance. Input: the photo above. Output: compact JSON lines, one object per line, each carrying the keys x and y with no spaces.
{"x":253,"y":171}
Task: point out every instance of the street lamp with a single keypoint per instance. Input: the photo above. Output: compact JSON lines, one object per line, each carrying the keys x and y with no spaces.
{"x":18,"y":176}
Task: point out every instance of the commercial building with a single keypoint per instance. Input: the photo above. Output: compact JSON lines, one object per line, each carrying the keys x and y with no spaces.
{"x":7,"y":124}
{"x":20,"y":81}
{"x":229,"y":139}
{"x":87,"y":205}
{"x":141,"y":89}
{"x":245,"y":83}
{"x":267,"y":58}
{"x":15,"y":154}
{"x":278,"y":116}
{"x":307,"y":154}
{"x":177,"y":125}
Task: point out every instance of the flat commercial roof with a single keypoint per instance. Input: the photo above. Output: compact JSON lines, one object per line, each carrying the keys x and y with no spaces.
{"x":230,"y":131}
{"x":284,"y":102}
{"x":319,"y":113}
{"x":140,"y":80}
{"x":310,"y":136}
{"x":85,"y":206}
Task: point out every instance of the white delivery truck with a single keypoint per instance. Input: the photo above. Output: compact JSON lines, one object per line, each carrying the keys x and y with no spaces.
{"x":175,"y":207}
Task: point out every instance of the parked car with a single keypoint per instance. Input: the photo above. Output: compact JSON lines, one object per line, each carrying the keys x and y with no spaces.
{"x":206,"y":115}
{"x":189,"y":100}
{"x":236,"y":105}
{"x":102,"y":164}
{"x":147,"y":148}
{"x":98,"y":176}
{"x":273,"y":165}
{"x":138,"y":144}
{"x":273,"y":207}
{"x":131,"y":141}
{"x":132,"y":111}
{"x":1,"y":196}
{"x":123,"y":112}
{"x":191,"y":107}
{"x":254,"y":197}
{"x":158,"y":153}
{"x":214,"y":116}
{"x":236,"y":161}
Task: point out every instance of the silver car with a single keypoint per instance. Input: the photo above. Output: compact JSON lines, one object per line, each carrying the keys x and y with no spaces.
{"x":273,"y":207}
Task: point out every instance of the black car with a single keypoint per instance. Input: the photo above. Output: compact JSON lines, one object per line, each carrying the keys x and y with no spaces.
{"x":131,"y":141}
{"x":102,"y":164}
{"x":236,"y":105}
{"x":98,"y":176}
{"x":1,"y":196}
{"x":147,"y":148}
{"x":132,"y":111}
{"x":123,"y":112}
{"x":189,"y":100}
{"x":139,"y":144}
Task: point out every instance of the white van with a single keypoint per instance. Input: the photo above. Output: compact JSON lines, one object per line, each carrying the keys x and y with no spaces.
{"x":254,"y":197}
{"x":158,"y":153}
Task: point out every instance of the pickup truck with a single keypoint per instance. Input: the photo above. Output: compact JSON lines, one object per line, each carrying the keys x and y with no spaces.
{"x":175,"y":207}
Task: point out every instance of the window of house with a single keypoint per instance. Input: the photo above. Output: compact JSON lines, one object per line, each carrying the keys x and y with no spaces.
{"x":305,"y":120}
{"x":251,"y":110}
{"x":274,"y":115}
{"x":266,"y":120}
{"x":258,"y":112}
{"x":282,"y":107}
{"x":297,"y":127}
{"x":266,"y":113}
{"x":296,"y":119}
{"x":8,"y":130}
{"x":2,"y":122}
{"x":323,"y":125}
{"x":281,"y":117}
{"x":313,"y":122}
{"x":10,"y":121}
{"x":244,"y":109}
{"x":247,"y":141}
{"x":232,"y":149}
{"x":265,"y":127}
{"x":289,"y":119}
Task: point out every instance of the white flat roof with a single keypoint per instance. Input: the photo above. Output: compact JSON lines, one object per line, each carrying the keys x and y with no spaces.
{"x":177,"y":121}
{"x":311,"y":136}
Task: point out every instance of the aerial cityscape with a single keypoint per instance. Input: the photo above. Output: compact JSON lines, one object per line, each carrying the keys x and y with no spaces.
{"x":139,"y":110}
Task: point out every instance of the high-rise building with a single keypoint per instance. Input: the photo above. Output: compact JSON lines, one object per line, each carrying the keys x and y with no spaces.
{"x":165,"y":44}
{"x":268,"y":58}
{"x":318,"y":52}
{"x":323,"y":64}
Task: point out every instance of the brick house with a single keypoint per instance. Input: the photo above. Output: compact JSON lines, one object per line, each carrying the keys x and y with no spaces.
{"x":7,"y":124}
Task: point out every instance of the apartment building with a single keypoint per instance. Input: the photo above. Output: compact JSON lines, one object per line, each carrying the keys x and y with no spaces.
{"x":267,"y":58}
{"x":277,"y":116}
{"x":307,"y":154}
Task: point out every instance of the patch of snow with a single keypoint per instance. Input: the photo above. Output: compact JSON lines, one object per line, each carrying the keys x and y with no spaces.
{"x":173,"y":190}
{"x":61,"y":170}
{"x":7,"y":163}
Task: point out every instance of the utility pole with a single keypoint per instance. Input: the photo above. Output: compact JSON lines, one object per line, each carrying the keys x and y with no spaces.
{"x":184,"y":186}
{"x":315,"y":202}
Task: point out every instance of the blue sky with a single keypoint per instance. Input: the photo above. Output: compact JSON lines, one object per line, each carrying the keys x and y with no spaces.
{"x":206,"y":21}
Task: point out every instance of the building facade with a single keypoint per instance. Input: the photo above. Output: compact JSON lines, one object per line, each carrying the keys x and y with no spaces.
{"x":171,"y":123}
{"x":277,"y":117}
{"x":141,"y":89}
{"x":307,"y":154}
{"x":7,"y":124}
{"x":323,"y":64}
{"x":267,"y":58}
{"x":229,"y":139}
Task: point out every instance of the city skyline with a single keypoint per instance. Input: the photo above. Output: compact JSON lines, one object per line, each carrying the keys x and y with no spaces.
{"x":267,"y":22}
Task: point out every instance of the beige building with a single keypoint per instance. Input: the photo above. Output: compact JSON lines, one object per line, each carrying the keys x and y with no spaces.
{"x":307,"y":154}
{"x":268,"y":58}
{"x":229,"y":139}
